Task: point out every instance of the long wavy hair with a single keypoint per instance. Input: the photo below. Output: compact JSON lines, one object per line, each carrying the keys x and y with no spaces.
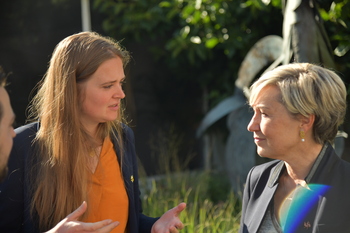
{"x":60,"y":183}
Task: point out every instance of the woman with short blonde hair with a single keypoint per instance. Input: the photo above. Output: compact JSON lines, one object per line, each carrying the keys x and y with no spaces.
{"x":309,"y":89}
{"x":297,"y":111}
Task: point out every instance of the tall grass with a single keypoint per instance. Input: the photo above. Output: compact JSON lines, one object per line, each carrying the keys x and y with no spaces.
{"x":212,"y":207}
{"x":208,"y":210}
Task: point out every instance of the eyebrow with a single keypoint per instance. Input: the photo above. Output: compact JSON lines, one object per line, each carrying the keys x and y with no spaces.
{"x":113,"y":81}
{"x":109,"y":82}
{"x":260,"y":106}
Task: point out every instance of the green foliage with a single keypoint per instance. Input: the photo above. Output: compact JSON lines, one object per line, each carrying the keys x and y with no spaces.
{"x":337,"y":20}
{"x":200,"y":40}
{"x":336,"y":16}
{"x":206,"y":40}
{"x":202,"y":214}
{"x":218,"y":187}
{"x":211,"y":204}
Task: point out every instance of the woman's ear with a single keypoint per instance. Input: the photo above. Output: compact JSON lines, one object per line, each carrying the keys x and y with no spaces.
{"x":306,"y":122}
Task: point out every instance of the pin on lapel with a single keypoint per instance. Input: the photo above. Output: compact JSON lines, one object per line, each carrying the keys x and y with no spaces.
{"x":132,"y":178}
{"x":307,"y":225}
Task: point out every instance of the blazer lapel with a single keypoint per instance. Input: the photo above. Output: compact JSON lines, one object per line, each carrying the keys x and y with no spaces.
{"x":258,"y":208}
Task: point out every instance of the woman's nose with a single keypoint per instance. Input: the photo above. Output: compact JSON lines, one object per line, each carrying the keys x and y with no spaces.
{"x":253,"y":124}
{"x":119,"y":93}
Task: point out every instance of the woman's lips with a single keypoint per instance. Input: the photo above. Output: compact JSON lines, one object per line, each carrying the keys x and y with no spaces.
{"x":257,"y":139}
{"x":114,"y":106}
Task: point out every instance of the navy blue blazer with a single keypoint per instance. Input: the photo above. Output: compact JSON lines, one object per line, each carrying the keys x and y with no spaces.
{"x":15,"y":196}
{"x":327,"y":210}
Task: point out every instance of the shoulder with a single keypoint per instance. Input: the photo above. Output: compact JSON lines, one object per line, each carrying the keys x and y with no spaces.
{"x":126,"y":137}
{"x":128,"y":133}
{"x":27,"y":130}
{"x":126,"y":129}
{"x":334,"y":164}
{"x":25,"y":135}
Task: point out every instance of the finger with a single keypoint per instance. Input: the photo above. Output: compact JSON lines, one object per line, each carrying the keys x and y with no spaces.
{"x":97,"y":226}
{"x":173,"y":230}
{"x":180,"y":226}
{"x":78,"y":212}
{"x":109,"y":227}
{"x":180,"y":208}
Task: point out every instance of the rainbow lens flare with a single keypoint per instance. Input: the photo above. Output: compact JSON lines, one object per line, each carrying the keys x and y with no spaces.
{"x":298,"y":205}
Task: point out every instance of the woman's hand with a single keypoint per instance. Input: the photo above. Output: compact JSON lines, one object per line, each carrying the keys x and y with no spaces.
{"x":71,"y":224}
{"x":169,"y":222}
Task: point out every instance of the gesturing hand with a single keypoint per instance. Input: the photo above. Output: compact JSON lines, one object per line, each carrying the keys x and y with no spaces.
{"x":169,"y":222}
{"x":70,"y":224}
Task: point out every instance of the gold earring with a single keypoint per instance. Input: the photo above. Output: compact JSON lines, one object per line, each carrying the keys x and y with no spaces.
{"x":302,"y":135}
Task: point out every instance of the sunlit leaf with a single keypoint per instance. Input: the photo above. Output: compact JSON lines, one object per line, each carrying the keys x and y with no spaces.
{"x":211,"y":43}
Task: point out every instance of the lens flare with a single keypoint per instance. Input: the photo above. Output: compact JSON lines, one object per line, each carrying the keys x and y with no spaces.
{"x":298,"y":205}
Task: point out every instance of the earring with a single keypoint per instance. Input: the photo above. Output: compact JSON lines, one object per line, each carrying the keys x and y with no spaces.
{"x":302,"y":135}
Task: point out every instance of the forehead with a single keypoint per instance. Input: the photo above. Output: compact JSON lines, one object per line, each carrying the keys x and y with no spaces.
{"x":266,"y":96}
{"x":111,"y":69}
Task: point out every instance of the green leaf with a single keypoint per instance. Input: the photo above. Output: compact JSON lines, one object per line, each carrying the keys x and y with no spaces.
{"x":164,"y":4}
{"x":211,"y":43}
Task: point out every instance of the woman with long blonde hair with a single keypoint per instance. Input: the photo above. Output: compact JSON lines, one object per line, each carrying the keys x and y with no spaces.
{"x":79,"y":148}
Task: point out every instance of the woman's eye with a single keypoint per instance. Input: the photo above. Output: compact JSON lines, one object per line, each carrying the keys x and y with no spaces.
{"x":107,"y":87}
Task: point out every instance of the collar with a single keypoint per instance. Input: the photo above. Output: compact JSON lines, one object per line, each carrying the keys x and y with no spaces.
{"x":273,"y":180}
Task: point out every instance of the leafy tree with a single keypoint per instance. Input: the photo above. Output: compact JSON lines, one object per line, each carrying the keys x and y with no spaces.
{"x":336,"y":16}
{"x":201,"y":40}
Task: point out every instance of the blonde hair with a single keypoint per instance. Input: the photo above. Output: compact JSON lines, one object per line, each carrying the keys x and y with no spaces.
{"x":308,"y":89}
{"x":61,"y":179}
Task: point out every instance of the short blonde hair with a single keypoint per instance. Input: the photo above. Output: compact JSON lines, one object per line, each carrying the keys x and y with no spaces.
{"x":308,"y":89}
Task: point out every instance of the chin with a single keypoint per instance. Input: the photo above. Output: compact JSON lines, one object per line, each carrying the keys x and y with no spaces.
{"x":262,"y":153}
{"x":111,"y":118}
{"x":259,"y":151}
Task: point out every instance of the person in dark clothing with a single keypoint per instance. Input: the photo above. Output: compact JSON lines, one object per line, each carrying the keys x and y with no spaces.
{"x":298,"y":109}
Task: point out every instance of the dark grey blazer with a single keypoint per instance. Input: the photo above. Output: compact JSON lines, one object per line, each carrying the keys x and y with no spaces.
{"x":328,"y":211}
{"x":15,"y":195}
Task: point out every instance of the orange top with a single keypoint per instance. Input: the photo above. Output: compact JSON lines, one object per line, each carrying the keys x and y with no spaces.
{"x":107,"y":195}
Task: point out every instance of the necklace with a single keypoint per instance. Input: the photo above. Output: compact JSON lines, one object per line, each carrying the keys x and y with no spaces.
{"x":92,"y":154}
{"x":95,"y":152}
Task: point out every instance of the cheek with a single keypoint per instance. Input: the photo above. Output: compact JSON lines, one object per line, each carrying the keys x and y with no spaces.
{"x":91,"y":103}
{"x":266,"y":126}
{"x":272,"y":131}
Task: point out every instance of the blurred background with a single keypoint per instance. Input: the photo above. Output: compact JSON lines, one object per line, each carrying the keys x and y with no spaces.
{"x":187,"y":55}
